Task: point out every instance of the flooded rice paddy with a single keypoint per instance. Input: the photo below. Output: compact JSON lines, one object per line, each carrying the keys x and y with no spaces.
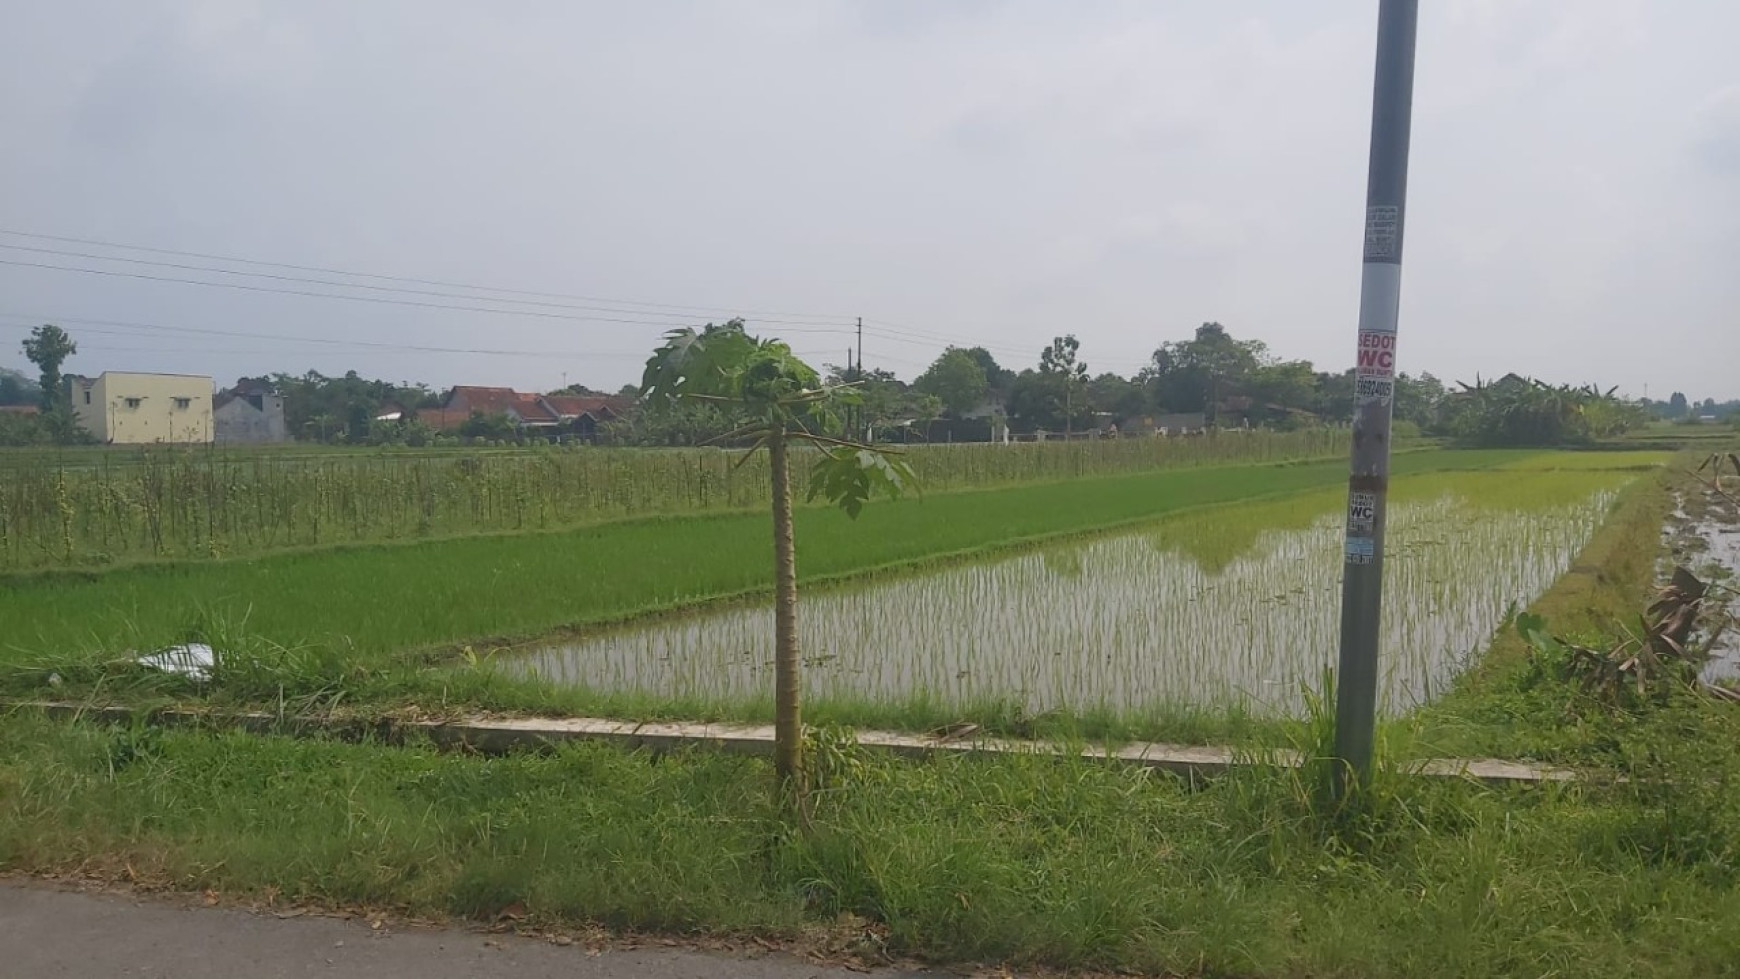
{"x":1235,"y":605}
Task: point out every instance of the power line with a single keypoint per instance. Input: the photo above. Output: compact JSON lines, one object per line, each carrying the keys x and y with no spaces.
{"x":670,"y":319}
{"x":246,"y":287}
{"x":880,"y":329}
{"x":398,"y":278}
{"x":120,"y":328}
{"x":888,"y":330}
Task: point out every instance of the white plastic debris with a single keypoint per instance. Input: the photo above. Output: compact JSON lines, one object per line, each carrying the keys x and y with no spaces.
{"x":193,"y":660}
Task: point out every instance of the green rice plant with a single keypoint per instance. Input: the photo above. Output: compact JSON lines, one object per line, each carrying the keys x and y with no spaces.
{"x":1231,"y":605}
{"x":386,"y":599}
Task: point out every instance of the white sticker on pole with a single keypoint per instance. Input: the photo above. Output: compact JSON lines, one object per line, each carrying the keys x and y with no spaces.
{"x":1361,"y":510}
{"x":1377,"y":354}
{"x":1368,"y":389}
{"x":1383,"y":231}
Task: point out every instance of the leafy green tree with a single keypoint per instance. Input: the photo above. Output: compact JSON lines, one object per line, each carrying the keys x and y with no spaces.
{"x":16,"y":389}
{"x":1117,"y":396}
{"x":997,"y":377}
{"x":48,"y":348}
{"x":1678,"y":406}
{"x":1058,"y":363}
{"x":958,"y":379}
{"x":882,"y":401}
{"x":494,"y":426}
{"x":1281,"y":388}
{"x":1333,"y":399}
{"x":926,"y":408}
{"x":582,"y":390}
{"x":343,"y":407}
{"x":692,"y":423}
{"x":1034,"y":402}
{"x":1053,"y":397}
{"x":1200,"y":373}
{"x":776,"y":399}
{"x":1419,"y":399}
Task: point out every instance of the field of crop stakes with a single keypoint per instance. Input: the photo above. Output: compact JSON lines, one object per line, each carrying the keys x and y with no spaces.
{"x":79,"y":508}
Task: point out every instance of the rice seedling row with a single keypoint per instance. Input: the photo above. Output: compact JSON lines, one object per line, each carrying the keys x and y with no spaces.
{"x":1236,"y":606}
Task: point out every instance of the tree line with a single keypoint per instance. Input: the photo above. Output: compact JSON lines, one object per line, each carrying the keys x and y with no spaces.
{"x":1211,"y":378}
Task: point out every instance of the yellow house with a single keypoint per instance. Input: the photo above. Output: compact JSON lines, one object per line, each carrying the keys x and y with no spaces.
{"x":122,"y":408}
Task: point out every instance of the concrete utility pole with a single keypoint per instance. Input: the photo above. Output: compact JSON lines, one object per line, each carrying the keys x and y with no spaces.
{"x":860,"y":428}
{"x":1380,"y":291}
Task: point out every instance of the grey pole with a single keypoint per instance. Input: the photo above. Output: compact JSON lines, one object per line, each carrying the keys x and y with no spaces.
{"x":1374,"y":393}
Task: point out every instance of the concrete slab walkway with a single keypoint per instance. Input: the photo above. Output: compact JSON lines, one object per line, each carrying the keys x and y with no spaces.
{"x":491,"y":734}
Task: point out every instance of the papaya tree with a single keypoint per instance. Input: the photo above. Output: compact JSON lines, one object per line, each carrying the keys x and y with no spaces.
{"x":776,"y":402}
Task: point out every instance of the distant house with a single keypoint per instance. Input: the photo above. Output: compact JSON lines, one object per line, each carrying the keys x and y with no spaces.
{"x":1178,"y":423}
{"x":526,"y":411}
{"x":249,"y":414}
{"x":581,"y":414}
{"x":124,"y":408}
{"x":548,"y":414}
{"x":18,"y":409}
{"x":392,"y":411}
{"x":991,"y":407}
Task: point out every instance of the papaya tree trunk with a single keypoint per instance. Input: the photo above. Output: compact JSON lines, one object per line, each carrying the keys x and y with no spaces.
{"x":787,"y":700}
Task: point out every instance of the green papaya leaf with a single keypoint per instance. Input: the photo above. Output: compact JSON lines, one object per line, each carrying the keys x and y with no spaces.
{"x":848,"y":476}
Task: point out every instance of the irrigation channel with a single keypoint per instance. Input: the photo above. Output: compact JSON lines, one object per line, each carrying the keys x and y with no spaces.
{"x":1234,"y":605}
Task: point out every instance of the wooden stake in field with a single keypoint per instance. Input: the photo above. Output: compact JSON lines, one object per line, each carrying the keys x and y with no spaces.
{"x":1380,"y":293}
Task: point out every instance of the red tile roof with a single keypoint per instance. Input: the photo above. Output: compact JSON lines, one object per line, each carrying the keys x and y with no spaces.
{"x":491,"y":401}
{"x":441,"y":419}
{"x":19,"y":409}
{"x":530,"y":409}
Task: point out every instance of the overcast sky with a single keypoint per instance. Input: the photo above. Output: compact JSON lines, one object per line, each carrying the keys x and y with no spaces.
{"x":961,"y":172}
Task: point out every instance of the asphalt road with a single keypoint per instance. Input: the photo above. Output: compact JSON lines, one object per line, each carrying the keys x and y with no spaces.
{"x":48,"y":933}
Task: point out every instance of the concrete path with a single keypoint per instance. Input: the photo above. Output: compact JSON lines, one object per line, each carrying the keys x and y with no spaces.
{"x":496,"y":735}
{"x":49,"y":933}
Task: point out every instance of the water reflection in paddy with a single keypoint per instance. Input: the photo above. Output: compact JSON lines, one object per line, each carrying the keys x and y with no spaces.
{"x":1232,"y":605}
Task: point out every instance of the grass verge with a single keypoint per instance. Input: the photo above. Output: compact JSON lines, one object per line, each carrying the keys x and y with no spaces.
{"x":1507,"y":705}
{"x":1034,"y":860}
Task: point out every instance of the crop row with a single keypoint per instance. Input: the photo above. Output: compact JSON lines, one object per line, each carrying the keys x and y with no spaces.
{"x":208,"y":503}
